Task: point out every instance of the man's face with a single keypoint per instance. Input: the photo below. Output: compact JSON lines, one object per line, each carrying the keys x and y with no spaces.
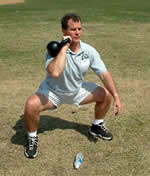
{"x":74,"y":30}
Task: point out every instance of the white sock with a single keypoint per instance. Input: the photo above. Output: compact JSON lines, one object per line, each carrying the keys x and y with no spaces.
{"x":32,"y":134}
{"x":97,"y":121}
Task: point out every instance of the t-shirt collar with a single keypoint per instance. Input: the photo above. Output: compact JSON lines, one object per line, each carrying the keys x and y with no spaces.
{"x":69,"y":51}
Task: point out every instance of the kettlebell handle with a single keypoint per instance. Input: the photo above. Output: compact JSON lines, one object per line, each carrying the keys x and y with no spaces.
{"x":63,"y":42}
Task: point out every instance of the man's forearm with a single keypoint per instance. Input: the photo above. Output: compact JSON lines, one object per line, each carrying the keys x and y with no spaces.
{"x":57,"y":65}
{"x":109,"y":83}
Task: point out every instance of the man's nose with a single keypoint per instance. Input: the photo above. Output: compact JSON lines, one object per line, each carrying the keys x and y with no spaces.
{"x":77,"y":32}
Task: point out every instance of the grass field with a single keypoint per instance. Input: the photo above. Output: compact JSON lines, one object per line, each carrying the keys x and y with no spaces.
{"x":120,"y":31}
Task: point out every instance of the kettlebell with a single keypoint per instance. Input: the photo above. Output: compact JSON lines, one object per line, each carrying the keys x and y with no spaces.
{"x":54,"y":47}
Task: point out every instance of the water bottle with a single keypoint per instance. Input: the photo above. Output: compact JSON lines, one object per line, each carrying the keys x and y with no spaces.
{"x":78,"y":160}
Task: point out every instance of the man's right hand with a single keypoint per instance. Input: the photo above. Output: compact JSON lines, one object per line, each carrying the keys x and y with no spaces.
{"x":68,"y":43}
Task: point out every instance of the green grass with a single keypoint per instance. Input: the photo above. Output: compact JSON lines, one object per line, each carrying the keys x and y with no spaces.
{"x":120,"y":31}
{"x":97,"y":10}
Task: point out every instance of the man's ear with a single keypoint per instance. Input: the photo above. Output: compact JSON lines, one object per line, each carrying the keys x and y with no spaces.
{"x":63,"y":31}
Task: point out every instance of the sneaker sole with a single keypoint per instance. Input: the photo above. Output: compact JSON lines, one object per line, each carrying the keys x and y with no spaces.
{"x":99,"y":136}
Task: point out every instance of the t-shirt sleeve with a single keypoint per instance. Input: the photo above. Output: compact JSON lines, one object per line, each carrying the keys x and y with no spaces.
{"x":97,"y":65}
{"x":48,"y":59}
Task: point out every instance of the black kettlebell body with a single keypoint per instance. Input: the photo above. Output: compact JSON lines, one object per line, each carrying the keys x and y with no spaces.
{"x":54,"y":47}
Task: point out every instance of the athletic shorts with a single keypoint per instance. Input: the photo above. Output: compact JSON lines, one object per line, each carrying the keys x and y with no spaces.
{"x":67,"y":98}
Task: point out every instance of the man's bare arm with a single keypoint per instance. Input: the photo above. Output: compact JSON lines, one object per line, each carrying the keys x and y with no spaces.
{"x":110,"y":86}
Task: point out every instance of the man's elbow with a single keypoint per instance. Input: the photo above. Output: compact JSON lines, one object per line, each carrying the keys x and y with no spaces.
{"x":54,"y":74}
{"x":105,"y":75}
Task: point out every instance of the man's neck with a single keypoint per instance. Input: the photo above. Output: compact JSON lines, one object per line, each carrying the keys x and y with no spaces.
{"x":75,"y":47}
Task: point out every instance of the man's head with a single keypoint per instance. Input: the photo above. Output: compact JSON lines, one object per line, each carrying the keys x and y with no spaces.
{"x":67,"y":17}
{"x":71,"y":26}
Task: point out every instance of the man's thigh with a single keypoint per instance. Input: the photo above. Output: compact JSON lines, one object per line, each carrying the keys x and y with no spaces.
{"x":96,"y":95}
{"x":44,"y":102}
{"x":48,"y":99}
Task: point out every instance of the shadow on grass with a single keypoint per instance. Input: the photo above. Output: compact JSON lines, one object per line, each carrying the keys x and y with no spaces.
{"x":49,"y":123}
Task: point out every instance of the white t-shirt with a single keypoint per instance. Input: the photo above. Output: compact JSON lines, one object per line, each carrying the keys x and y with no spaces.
{"x":76,"y":67}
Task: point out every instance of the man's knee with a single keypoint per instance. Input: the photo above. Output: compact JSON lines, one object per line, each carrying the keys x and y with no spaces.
{"x":32,"y":104}
{"x":104,"y":95}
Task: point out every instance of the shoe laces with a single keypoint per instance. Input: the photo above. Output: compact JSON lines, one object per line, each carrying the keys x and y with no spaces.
{"x":102,"y":126}
{"x":32,"y":142}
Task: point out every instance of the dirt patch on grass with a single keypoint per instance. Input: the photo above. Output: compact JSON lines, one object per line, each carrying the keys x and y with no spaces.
{"x":3,"y":2}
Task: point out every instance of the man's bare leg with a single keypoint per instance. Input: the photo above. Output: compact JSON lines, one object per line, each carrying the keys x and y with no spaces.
{"x":34,"y":105}
{"x":103,"y":100}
